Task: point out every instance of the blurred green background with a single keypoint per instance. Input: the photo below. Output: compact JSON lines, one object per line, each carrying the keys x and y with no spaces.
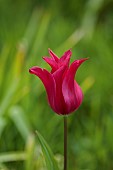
{"x":27,"y":29}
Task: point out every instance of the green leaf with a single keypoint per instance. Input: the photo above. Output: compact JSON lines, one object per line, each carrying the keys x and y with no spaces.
{"x":48,"y":154}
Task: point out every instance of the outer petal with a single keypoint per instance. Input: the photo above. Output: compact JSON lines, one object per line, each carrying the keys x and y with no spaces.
{"x":70,"y":89}
{"x":78,"y":94}
{"x":59,"y":99}
{"x":48,"y":82}
{"x":53,"y":55}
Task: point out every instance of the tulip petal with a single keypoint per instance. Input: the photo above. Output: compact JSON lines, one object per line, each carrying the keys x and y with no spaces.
{"x":59,"y":99}
{"x":70,"y":88}
{"x":65,"y":59}
{"x":52,"y":63}
{"x":48,"y":82}
{"x":79,"y":94}
{"x":53,"y":55}
{"x":66,"y":55}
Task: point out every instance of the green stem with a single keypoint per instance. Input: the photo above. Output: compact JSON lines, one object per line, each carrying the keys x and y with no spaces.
{"x":65,"y":143}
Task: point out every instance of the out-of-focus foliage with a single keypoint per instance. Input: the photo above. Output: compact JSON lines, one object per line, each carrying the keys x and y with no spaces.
{"x":27,"y":30}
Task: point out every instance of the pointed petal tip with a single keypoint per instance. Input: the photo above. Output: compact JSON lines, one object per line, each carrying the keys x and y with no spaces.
{"x":34,"y":70}
{"x":69,"y":52}
{"x":30,"y":70}
{"x":86,"y":58}
{"x":65,"y":57}
{"x":80,"y":61}
{"x":83,"y":60}
{"x":44,"y":58}
{"x":49,"y":50}
{"x":53,"y":55}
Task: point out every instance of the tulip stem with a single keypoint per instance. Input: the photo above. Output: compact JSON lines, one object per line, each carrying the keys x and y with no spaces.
{"x":65,"y":142}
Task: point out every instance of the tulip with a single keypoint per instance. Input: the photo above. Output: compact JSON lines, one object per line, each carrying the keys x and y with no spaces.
{"x":64,"y":93}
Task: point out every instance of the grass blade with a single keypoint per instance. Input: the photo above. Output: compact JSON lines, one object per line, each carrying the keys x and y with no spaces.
{"x":18,"y":117}
{"x":30,"y":147}
{"x":12,"y":156}
{"x":49,"y":157}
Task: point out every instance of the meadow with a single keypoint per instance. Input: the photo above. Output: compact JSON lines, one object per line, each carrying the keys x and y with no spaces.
{"x":27,"y":30}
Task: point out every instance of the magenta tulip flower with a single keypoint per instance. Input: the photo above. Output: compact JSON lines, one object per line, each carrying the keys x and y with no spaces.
{"x":64,"y":93}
